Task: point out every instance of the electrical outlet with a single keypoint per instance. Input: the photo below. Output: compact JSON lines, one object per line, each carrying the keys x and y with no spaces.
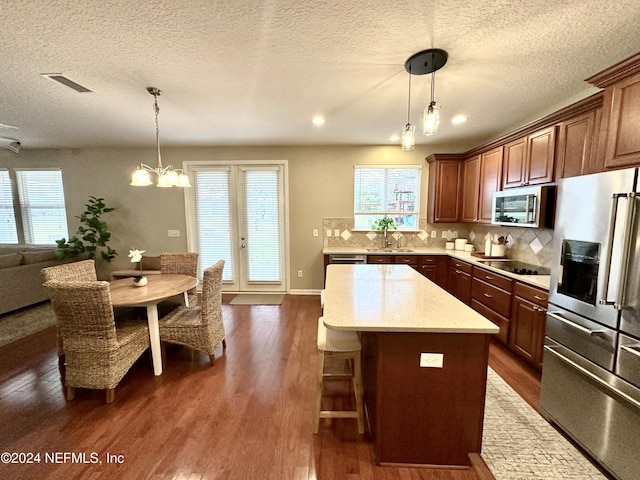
{"x":174,"y":233}
{"x":431,"y":360}
{"x":315,"y":232}
{"x":444,"y":234}
{"x":299,"y":273}
{"x":455,"y":234}
{"x":328,"y":233}
{"x":434,"y":234}
{"x":336,"y":233}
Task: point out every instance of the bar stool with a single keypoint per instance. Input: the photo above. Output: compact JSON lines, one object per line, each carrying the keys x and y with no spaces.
{"x":340,"y":345}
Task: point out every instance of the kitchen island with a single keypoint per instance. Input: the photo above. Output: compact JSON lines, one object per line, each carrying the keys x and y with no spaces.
{"x":424,"y":362}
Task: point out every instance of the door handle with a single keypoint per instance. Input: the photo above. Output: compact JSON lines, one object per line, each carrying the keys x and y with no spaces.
{"x":586,"y":330}
{"x":244,"y":245}
{"x":632,"y":349}
{"x":628,"y":240}
{"x":607,"y":264}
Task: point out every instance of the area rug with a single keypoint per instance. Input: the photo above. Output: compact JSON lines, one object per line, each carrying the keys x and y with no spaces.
{"x":518,"y":444}
{"x":27,"y":321}
{"x":256,"y":299}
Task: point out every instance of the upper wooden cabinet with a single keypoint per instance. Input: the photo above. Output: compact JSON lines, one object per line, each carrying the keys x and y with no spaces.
{"x":481,"y":177}
{"x":530,"y":160}
{"x":577,"y":144}
{"x":444,"y":188}
{"x":619,"y":142}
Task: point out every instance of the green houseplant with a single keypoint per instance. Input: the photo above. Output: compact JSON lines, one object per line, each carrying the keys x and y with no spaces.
{"x":92,"y":233}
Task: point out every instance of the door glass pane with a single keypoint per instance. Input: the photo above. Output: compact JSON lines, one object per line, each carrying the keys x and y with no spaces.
{"x":213,"y":220}
{"x":8,"y":231}
{"x":262,"y":219}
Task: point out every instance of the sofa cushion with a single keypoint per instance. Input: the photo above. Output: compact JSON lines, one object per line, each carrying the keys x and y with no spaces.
{"x":10,"y":260}
{"x":6,"y":250}
{"x":29,"y":258}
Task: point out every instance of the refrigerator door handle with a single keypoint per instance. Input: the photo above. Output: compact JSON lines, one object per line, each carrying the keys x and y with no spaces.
{"x":632,"y":349}
{"x":607,"y":264}
{"x":624,"y":271}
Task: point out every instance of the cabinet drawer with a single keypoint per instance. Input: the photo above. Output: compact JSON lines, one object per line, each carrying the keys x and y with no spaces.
{"x":533,"y":294}
{"x":379,"y":259}
{"x":496,"y":299}
{"x":459,"y":265}
{"x":494,"y":317}
{"x":407,"y":259}
{"x":493,"y":279}
{"x":429,"y":259}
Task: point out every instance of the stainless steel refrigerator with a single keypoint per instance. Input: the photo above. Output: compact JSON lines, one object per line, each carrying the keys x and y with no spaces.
{"x":591,"y":366}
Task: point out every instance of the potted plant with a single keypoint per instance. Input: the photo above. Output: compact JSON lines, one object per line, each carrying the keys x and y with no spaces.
{"x":382,"y":225}
{"x":92,"y":233}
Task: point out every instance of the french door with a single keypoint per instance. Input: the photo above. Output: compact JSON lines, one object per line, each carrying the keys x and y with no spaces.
{"x":237,"y":213}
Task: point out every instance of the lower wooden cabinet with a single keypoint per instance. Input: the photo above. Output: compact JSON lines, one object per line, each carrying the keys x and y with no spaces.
{"x":434,"y":267}
{"x":528,"y":320}
{"x":459,"y":280}
{"x":491,"y":297}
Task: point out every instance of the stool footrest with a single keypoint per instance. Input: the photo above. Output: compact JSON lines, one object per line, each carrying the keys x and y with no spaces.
{"x":339,"y":414}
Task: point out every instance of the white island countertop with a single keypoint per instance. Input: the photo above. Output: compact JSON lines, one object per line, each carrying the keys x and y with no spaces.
{"x":394,"y":298}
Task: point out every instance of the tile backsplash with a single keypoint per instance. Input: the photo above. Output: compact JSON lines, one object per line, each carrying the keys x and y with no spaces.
{"x":530,"y":245}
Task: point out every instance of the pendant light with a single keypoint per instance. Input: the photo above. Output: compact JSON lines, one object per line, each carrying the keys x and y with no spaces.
{"x":421,"y":63}
{"x":409,"y":131}
{"x":167,"y":176}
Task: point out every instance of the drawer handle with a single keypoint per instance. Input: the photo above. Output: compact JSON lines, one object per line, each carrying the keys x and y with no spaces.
{"x":538,"y":297}
{"x":586,"y":330}
{"x":487,"y":295}
{"x":538,"y":309}
{"x":632,"y":349}
{"x":488,"y":277}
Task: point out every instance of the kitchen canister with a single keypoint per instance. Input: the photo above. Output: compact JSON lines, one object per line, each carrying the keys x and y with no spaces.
{"x":469,"y":247}
{"x":460,"y":243}
{"x":449,"y":245}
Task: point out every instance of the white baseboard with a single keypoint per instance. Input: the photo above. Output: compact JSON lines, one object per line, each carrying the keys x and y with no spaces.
{"x":300,"y":291}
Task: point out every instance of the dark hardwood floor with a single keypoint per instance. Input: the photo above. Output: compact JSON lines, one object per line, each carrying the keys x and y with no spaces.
{"x":249,"y":417}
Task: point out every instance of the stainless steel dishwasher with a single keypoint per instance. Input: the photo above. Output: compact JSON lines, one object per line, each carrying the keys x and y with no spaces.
{"x":347,"y":258}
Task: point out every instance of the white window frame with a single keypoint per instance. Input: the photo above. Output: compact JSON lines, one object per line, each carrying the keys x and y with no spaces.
{"x":7,"y":207}
{"x":388,"y":212}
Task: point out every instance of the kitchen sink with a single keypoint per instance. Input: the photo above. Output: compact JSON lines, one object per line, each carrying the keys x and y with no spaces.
{"x":390,"y":250}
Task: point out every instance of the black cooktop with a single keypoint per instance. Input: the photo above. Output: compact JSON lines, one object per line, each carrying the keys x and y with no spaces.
{"x":517,"y":267}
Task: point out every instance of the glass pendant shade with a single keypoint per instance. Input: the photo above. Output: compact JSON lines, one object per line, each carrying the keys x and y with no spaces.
{"x":431,"y":119}
{"x":140,"y":178}
{"x":183,"y":181}
{"x":409,"y":137}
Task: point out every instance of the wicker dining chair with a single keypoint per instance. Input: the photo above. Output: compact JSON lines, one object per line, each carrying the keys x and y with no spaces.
{"x":97,"y":353}
{"x":200,"y":327}
{"x":82,"y":271}
{"x":183,"y":264}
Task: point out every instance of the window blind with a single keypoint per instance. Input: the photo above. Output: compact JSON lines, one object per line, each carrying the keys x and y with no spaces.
{"x":41,"y":194}
{"x":8,"y":229}
{"x":262,"y":218}
{"x":213,"y":219}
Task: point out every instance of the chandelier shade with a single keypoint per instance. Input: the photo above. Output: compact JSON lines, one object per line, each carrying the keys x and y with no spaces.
{"x":167,"y":176}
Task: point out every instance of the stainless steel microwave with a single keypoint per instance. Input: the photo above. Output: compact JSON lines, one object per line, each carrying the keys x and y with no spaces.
{"x":524,"y":207}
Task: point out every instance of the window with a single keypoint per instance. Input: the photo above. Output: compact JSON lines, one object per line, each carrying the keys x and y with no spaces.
{"x":41,"y":194}
{"x":392,"y":191}
{"x":8,"y":230}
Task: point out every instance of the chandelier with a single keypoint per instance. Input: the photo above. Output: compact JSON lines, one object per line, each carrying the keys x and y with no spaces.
{"x":167,"y":176}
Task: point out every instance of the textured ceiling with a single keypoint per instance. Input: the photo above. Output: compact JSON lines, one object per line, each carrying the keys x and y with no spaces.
{"x":248,"y":72}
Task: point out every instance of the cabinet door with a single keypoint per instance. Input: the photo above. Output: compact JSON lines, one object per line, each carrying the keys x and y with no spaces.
{"x":540,"y":156}
{"x":527,"y":330}
{"x":575,"y":145}
{"x":622,"y":103}
{"x":490,"y":181}
{"x":514,"y":160}
{"x":460,"y":285}
{"x":470,"y":184}
{"x":444,"y":191}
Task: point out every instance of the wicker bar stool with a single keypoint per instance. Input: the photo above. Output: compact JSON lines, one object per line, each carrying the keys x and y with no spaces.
{"x":340,"y":345}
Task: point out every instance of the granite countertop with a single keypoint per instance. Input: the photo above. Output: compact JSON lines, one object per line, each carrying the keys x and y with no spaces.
{"x":394,"y":298}
{"x":540,"y":281}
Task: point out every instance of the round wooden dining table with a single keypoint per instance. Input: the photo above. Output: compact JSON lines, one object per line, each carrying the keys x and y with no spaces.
{"x":158,"y":288}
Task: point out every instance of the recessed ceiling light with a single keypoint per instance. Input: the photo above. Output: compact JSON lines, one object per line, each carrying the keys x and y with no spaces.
{"x":459,"y":119}
{"x":318,"y":120}
{"x":394,"y":138}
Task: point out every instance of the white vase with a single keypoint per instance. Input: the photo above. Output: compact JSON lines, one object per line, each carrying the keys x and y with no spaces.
{"x":140,"y":281}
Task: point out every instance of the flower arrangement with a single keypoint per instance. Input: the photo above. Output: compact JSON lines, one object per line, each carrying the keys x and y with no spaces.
{"x":136,"y":257}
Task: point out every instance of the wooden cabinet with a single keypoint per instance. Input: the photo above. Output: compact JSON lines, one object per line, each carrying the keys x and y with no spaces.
{"x":526,"y":335}
{"x":434,"y":267}
{"x":619,"y":142}
{"x":530,"y":160}
{"x":491,"y":297}
{"x":379,"y":259}
{"x":444,"y":188}
{"x":481,"y":176}
{"x":459,"y":280}
{"x":577,"y":144}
